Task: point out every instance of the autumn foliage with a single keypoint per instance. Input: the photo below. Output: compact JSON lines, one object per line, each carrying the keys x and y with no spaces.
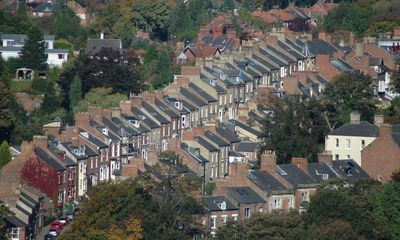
{"x":39,"y":175}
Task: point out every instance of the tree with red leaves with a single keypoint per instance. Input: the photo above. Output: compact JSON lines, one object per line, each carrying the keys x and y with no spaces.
{"x":39,"y":175}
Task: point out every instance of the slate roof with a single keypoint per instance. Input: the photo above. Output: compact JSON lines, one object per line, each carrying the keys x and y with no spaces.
{"x":294,"y":175}
{"x":362,"y":129}
{"x":189,"y":106}
{"x":213,"y":203}
{"x":166,"y":109}
{"x":194,"y":152}
{"x":153,"y":112}
{"x":266,"y":182}
{"x":206,"y":144}
{"x":235,"y":154}
{"x":193,"y":98}
{"x":14,"y":221}
{"x":247,"y":147}
{"x":228,"y":134}
{"x":171,"y":101}
{"x":320,"y":172}
{"x":278,"y":54}
{"x":97,"y":142}
{"x":65,"y":51}
{"x":48,"y":159}
{"x":10,"y":49}
{"x":48,"y":7}
{"x":245,"y":195}
{"x":341,"y":65}
{"x":319,"y":46}
{"x":94,"y":46}
{"x":246,"y":127}
{"x":216,"y":139}
{"x":202,"y":93}
{"x":126,"y":128}
{"x":349,"y":170}
{"x":290,"y":50}
{"x":138,"y":113}
{"x":269,"y":54}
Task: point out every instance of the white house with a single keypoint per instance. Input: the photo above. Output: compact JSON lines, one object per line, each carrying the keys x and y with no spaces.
{"x":12,"y":45}
{"x":347,"y":141}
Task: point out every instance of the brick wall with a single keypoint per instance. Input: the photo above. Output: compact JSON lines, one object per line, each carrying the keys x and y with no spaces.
{"x":381,"y":158}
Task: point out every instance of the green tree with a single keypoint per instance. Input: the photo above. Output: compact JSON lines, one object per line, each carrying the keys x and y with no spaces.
{"x":75,"y":92}
{"x":350,"y":17}
{"x":249,"y":5}
{"x":395,"y":80}
{"x":330,"y":205}
{"x":265,"y":226}
{"x":297,"y":128}
{"x":5,"y":154}
{"x":4,"y":212}
{"x":228,"y":5}
{"x":7,"y":118}
{"x":163,"y":70}
{"x":100,"y":97}
{"x":348,"y":92}
{"x":32,"y":53}
{"x":51,"y":101}
{"x":67,"y":24}
{"x":387,"y":207}
{"x":103,"y":69}
{"x":137,"y":209}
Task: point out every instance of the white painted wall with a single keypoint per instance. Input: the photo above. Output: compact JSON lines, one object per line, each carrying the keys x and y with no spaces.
{"x":354,"y":151}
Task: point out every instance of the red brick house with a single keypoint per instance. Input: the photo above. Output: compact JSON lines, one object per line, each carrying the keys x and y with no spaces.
{"x":382,"y":157}
{"x":46,"y":171}
{"x":220,"y":210}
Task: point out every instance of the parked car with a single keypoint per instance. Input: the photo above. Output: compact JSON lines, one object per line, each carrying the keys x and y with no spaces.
{"x":70,"y":215}
{"x":49,"y":237}
{"x":56,"y":225}
{"x":55,"y":232}
{"x":64,"y":220}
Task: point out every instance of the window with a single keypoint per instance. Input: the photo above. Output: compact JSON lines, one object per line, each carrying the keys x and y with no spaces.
{"x":15,"y":233}
{"x":223,"y":219}
{"x":347,"y":143}
{"x":362,"y":144}
{"x":247,"y":213}
{"x":277,"y":203}
{"x":304,"y":196}
{"x":60,"y":56}
{"x":337,"y":142}
{"x":234,"y":217}
{"x":348,"y":157}
{"x":291,"y":203}
{"x":336,"y":156}
{"x":213,"y":221}
{"x":260,"y":210}
{"x":173,"y":125}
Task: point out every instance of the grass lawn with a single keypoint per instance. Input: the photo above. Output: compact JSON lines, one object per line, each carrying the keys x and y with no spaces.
{"x":20,"y":85}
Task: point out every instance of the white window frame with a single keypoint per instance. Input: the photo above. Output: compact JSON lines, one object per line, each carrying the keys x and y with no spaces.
{"x":224,"y":219}
{"x":348,"y":143}
{"x":213,"y":221}
{"x":247,"y":212}
{"x":235,"y":217}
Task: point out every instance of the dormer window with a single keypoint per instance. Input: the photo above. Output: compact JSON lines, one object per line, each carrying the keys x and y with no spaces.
{"x":222,"y":206}
{"x":105,"y":131}
{"x":178,"y":105}
{"x":85,"y":135}
{"x":136,"y":123}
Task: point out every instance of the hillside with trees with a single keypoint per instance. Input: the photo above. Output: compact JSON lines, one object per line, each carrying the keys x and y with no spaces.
{"x":367,"y":210}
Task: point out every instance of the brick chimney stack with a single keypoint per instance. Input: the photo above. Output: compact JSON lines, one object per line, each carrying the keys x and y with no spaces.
{"x":325,"y":157}
{"x":40,"y":141}
{"x":301,"y":163}
{"x":268,"y":162}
